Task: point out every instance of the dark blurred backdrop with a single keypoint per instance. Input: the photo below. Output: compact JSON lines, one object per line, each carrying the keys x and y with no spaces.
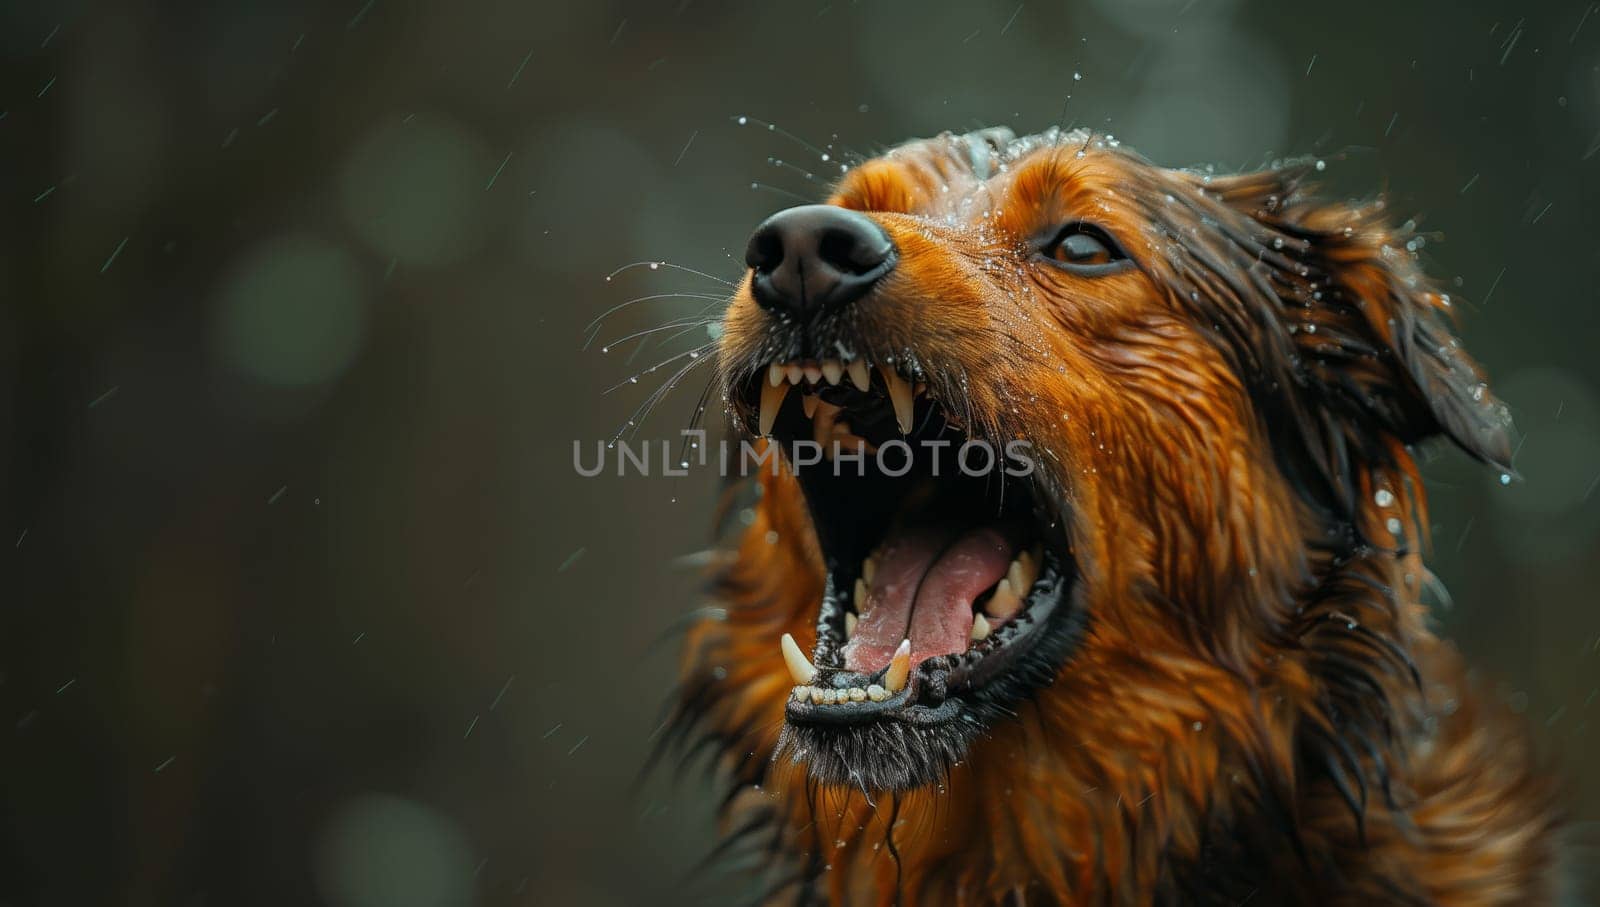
{"x":301,"y":600}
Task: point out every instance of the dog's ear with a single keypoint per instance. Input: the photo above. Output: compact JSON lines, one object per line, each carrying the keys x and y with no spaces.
{"x":1349,"y":322}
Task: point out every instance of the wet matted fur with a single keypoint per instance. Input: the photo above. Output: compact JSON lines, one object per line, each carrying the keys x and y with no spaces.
{"x":1254,"y":708}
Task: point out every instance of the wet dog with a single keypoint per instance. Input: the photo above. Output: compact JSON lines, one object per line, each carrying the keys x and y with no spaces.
{"x":1170,"y":646}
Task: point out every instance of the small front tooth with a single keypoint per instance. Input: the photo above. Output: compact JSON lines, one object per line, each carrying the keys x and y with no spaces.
{"x":861,"y":596}
{"x":857,"y":694}
{"x":812,"y":373}
{"x":775,"y":374}
{"x":801,"y":694}
{"x":1005,"y":601}
{"x":831,"y":697}
{"x":858,"y":375}
{"x":876,"y":693}
{"x":816,"y":695}
{"x":799,"y":665}
{"x":832,"y":370}
{"x":771,"y":401}
{"x":808,"y":402}
{"x":980,"y":628}
{"x":894,"y":680}
{"x":794,"y":373}
{"x":900,"y":396}
{"x":869,"y":567}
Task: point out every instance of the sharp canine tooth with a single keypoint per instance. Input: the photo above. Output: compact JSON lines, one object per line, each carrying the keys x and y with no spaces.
{"x":980,"y":628}
{"x":832,"y":371}
{"x":900,"y":396}
{"x":771,"y":401}
{"x":799,"y":666}
{"x":794,"y":373}
{"x":775,"y":374}
{"x":877,"y":693}
{"x":1005,"y":602}
{"x":1024,"y":570}
{"x":858,"y":374}
{"x":850,"y":621}
{"x":861,"y":596}
{"x":808,"y":402}
{"x":868,"y":568}
{"x":894,"y":680}
{"x":812,"y":373}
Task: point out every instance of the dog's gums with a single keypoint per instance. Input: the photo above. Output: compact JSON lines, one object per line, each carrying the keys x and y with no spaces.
{"x":1168,"y":643}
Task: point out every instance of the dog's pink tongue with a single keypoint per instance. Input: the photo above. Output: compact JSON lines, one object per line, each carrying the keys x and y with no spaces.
{"x":926,"y":581}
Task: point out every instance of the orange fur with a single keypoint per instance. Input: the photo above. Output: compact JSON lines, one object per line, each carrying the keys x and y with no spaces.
{"x":1242,"y":722}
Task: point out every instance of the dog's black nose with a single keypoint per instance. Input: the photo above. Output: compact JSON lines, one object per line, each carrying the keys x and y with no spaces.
{"x":816,"y":257}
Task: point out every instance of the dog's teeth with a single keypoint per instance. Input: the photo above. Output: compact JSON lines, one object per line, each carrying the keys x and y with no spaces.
{"x":858,"y":375}
{"x":900,"y":395}
{"x":771,"y":401}
{"x":869,"y":567}
{"x":808,"y":402}
{"x":817,"y":694}
{"x":801,"y":694}
{"x":775,"y":374}
{"x":980,"y":628}
{"x":1005,"y":602}
{"x":832,"y":371}
{"x":857,"y":694}
{"x":861,"y":596}
{"x":894,"y":680}
{"x":812,"y":373}
{"x":794,"y":373}
{"x":799,"y":665}
{"x":877,"y":693}
{"x":1022,"y":573}
{"x":850,"y":621}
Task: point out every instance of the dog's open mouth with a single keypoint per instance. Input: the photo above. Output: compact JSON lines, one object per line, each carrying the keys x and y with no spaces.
{"x":949,"y":580}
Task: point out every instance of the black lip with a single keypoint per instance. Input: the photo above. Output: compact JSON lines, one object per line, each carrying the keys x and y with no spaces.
{"x":936,"y":686}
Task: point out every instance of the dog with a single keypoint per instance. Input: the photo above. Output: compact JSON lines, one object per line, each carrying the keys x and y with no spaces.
{"x":1173,"y":647}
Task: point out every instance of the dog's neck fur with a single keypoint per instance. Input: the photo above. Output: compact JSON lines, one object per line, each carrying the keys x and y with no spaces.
{"x":1359,"y":762}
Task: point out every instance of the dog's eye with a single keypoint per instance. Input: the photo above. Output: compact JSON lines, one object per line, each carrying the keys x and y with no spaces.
{"x":1085,"y":249}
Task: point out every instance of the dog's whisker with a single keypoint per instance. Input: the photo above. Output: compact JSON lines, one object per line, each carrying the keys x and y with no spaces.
{"x":657,"y":264}
{"x":689,"y":324}
{"x":718,"y":300}
{"x":694,"y":354}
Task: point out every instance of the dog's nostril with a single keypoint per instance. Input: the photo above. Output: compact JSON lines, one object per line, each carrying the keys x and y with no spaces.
{"x":851,"y":252}
{"x":765,"y":251}
{"x":816,"y":257}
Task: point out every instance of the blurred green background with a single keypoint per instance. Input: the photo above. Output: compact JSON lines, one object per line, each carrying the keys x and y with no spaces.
{"x":301,"y":601}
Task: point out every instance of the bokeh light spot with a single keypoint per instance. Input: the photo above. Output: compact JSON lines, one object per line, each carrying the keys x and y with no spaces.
{"x":292,"y":312}
{"x":379,"y":850}
{"x":415,"y":191}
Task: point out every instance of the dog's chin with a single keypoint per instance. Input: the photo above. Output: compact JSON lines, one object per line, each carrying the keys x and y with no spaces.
{"x":950,"y":596}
